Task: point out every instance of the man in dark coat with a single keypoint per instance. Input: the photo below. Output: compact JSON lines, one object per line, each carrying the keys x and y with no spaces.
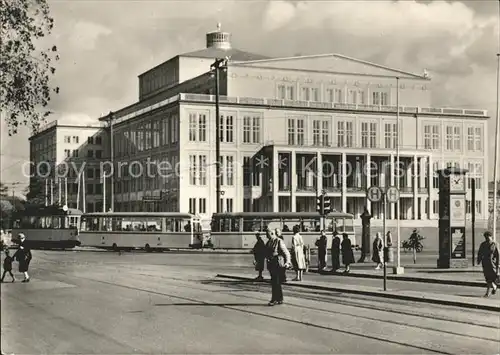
{"x":365,"y":235}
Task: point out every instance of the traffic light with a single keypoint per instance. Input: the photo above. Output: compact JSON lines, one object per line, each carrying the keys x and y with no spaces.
{"x":320,"y":201}
{"x":327,"y":205}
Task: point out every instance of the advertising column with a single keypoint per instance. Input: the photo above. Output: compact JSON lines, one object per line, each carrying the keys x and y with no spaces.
{"x":452,"y":212}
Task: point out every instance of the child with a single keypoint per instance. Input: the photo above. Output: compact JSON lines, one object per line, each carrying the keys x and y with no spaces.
{"x":7,"y":266}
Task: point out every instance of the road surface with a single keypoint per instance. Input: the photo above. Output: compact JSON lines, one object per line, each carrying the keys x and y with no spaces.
{"x":105,"y":303}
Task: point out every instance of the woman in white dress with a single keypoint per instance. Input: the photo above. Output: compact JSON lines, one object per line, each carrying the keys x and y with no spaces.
{"x":299,"y":259}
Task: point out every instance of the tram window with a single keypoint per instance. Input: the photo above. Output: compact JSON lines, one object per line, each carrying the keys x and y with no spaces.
{"x":271,"y":224}
{"x":215,"y":225}
{"x":348,"y":225}
{"x":288,"y":225}
{"x":330,"y":224}
{"x":17,"y":223}
{"x":235,"y":224}
{"x":169,"y":225}
{"x":340,"y":225}
{"x":154,"y":225}
{"x":56,"y":222}
{"x":310,"y":225}
{"x":117,"y":225}
{"x":225,"y":224}
{"x":251,"y":224}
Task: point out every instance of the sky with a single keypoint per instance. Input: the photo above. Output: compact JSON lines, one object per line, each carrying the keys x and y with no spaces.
{"x":104,"y":45}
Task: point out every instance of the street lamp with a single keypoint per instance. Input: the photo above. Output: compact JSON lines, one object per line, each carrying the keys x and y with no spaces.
{"x":112,"y":161}
{"x":219,"y":64}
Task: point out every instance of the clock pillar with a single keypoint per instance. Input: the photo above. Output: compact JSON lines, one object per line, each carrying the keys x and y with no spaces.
{"x":452,"y":209}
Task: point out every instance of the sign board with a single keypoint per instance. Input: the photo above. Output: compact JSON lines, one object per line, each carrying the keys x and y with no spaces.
{"x":457,"y":242}
{"x":457,"y":210}
{"x":392,"y":194}
{"x":374,"y":194}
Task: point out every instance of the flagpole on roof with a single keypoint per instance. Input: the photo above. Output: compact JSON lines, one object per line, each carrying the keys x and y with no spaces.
{"x":497,"y":138}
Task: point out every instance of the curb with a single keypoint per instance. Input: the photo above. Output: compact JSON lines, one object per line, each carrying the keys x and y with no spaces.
{"x":434,"y":299}
{"x":406,"y":278}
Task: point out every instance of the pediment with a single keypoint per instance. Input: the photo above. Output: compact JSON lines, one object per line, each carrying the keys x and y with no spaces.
{"x":331,"y":63}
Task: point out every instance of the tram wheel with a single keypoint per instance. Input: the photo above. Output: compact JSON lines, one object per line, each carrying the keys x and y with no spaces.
{"x":147,"y":248}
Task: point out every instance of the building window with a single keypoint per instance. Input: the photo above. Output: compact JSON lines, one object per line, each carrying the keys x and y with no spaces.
{"x":291,"y":131}
{"x":90,"y":153}
{"x":300,"y":132}
{"x":453,"y":138}
{"x":310,"y":94}
{"x":174,"y":133}
{"x":192,"y":205}
{"x":192,"y":169}
{"x":202,"y":205}
{"x":98,"y":154}
{"x":76,"y":139}
{"x":247,"y":171}
{"x":156,"y":134}
{"x":474,"y":139}
{"x":457,"y":138}
{"x":316,"y":132}
{"x":90,"y":189}
{"x":345,"y":134}
{"x":98,"y":140}
{"x":325,"y":133}
{"x":203,"y":169}
{"x":197,"y":128}
{"x":368,"y":135}
{"x":229,"y":205}
{"x":361,"y":97}
{"x":247,"y":205}
{"x":330,"y":95}
{"x":286,"y":92}
{"x":390,"y":135}
{"x":90,"y":140}
{"x":352,"y":97}
{"x":226,"y":129}
{"x":431,"y":137}
{"x":75,"y":153}
{"x":251,"y":129}
{"x":256,"y":129}
{"x":67,"y":139}
{"x":380,"y":98}
{"x":67,"y":153}
{"x":479,"y":207}
{"x":227,"y":168}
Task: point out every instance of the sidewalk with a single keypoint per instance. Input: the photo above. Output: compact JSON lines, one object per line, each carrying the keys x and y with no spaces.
{"x":488,"y":304}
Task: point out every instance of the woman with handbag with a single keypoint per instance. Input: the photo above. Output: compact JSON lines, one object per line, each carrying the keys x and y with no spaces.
{"x":488,"y":257}
{"x":278,"y":259}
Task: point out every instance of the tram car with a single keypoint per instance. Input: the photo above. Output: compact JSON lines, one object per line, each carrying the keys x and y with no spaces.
{"x":50,"y":227}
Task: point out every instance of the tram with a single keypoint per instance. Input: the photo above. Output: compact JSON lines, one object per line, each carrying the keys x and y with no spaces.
{"x":237,"y":230}
{"x":50,"y":227}
{"x":151,"y":231}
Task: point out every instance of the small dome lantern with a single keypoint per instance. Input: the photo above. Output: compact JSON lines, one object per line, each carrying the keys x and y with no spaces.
{"x":219,"y":39}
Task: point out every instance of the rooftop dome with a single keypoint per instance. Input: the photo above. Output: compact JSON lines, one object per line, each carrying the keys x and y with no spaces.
{"x":219,"y":39}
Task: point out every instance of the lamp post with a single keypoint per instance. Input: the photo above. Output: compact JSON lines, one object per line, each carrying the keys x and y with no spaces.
{"x":112,"y":160}
{"x":219,"y":64}
{"x":398,"y":269}
{"x":497,"y":139}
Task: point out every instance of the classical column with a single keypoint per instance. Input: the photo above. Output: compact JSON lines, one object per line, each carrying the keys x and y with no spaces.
{"x":319,"y":173}
{"x":344,"y":182}
{"x":275,"y":177}
{"x":415,"y":187}
{"x":293,"y":181}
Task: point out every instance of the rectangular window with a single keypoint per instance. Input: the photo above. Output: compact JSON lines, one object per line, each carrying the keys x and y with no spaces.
{"x":457,"y":138}
{"x":202,"y":205}
{"x":75,"y":153}
{"x":229,"y":129}
{"x":192,"y":169}
{"x":247,"y":126}
{"x":90,"y":189}
{"x":247,"y":171}
{"x":361,"y":97}
{"x":390,"y":135}
{"x":193,"y":127}
{"x":330,"y":95}
{"x":98,"y":140}
{"x":345,"y":134}
{"x":192,"y":205}
{"x":227,"y":177}
{"x":479,"y":207}
{"x":290,"y":92}
{"x":90,"y":153}
{"x":90,"y":140}
{"x":98,"y":154}
{"x":203,"y":169}
{"x":174,"y":137}
{"x":156,"y":134}
{"x":364,"y":135}
{"x":449,"y":138}
{"x":316,"y":132}
{"x":67,"y":139}
{"x":373,"y":135}
{"x":229,"y":205}
{"x":300,"y":132}
{"x":325,"y":133}
{"x":76,"y":139}
{"x":281,"y":92}
{"x":291,"y":131}
{"x":256,"y":130}
{"x":67,"y":153}
{"x":247,"y":205}
{"x":305,"y":94}
{"x":353,"y":97}
{"x":474,"y":139}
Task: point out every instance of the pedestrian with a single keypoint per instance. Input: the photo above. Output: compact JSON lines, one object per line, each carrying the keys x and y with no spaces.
{"x":321,"y":243}
{"x":23,"y":256}
{"x":7,"y":266}
{"x":414,"y":241}
{"x":278,"y":258}
{"x":389,"y":239}
{"x":347,"y":253}
{"x":335,"y":251}
{"x":488,"y":257}
{"x":298,"y":257}
{"x":259,"y":254}
{"x":378,"y":251}
{"x":278,"y":234}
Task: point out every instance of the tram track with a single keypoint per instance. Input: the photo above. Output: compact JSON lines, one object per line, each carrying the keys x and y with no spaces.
{"x":304,"y":323}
